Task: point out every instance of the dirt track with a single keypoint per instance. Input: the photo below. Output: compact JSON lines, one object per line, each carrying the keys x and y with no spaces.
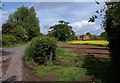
{"x":14,"y":69}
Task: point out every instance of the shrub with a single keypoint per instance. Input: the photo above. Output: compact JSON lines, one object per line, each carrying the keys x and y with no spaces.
{"x":7,"y":28}
{"x":20,"y":33}
{"x":8,"y":40}
{"x":40,"y":49}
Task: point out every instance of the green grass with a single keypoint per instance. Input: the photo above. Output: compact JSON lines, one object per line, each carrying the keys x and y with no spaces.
{"x":68,"y":58}
{"x":101,"y":69}
{"x":69,"y":67}
{"x":60,"y":43}
{"x":89,"y":42}
{"x":64,"y":68}
{"x":62,"y":73}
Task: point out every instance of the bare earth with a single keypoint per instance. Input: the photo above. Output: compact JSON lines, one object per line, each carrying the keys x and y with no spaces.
{"x":82,"y":50}
{"x":15,"y":67}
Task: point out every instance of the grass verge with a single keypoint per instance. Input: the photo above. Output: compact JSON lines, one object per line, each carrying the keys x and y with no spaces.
{"x":69,"y":67}
{"x":66,"y":67}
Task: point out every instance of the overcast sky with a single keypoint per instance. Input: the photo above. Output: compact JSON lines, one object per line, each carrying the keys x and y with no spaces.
{"x":49,"y":13}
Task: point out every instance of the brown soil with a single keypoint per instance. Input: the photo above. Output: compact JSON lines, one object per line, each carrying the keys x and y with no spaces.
{"x":5,"y":65}
{"x":83,"y":50}
{"x":6,"y":58}
{"x":13,"y":70}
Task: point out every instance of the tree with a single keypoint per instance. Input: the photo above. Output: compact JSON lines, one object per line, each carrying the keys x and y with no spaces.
{"x":111,"y":24}
{"x":62,"y":31}
{"x":34,"y":28}
{"x":112,"y":27}
{"x":103,"y":35}
{"x":20,"y":33}
{"x":7,"y":28}
{"x":26,"y":18}
{"x":88,"y":33}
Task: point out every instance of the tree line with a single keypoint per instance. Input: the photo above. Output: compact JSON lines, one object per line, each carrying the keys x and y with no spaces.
{"x":24,"y":25}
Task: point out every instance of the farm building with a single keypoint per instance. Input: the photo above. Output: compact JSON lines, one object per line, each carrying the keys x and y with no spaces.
{"x":83,"y":37}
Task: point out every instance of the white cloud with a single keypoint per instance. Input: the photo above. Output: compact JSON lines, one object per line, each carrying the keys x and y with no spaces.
{"x":82,"y":23}
{"x":84,"y":26}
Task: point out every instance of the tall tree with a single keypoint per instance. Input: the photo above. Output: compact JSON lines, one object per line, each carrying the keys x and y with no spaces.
{"x":26,"y":18}
{"x":33,"y":29}
{"x":112,"y":27}
{"x":111,"y":24}
{"x":62,"y":31}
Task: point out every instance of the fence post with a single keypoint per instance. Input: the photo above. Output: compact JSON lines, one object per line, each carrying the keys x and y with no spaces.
{"x":51,"y":57}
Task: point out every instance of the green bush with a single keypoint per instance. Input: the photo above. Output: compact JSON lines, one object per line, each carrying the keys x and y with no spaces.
{"x":41,"y":48}
{"x":8,"y":40}
{"x":20,"y":33}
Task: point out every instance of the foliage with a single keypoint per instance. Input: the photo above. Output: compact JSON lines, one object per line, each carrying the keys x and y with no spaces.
{"x":7,"y":28}
{"x":88,"y":33}
{"x":22,"y":25}
{"x":72,"y":68}
{"x":20,"y":33}
{"x":26,"y":18}
{"x":41,"y":49}
{"x":111,"y":24}
{"x":94,"y":37}
{"x":8,"y":40}
{"x":90,"y":42}
{"x":103,"y":35}
{"x":64,"y":69}
{"x":0,"y":40}
{"x":62,"y":31}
